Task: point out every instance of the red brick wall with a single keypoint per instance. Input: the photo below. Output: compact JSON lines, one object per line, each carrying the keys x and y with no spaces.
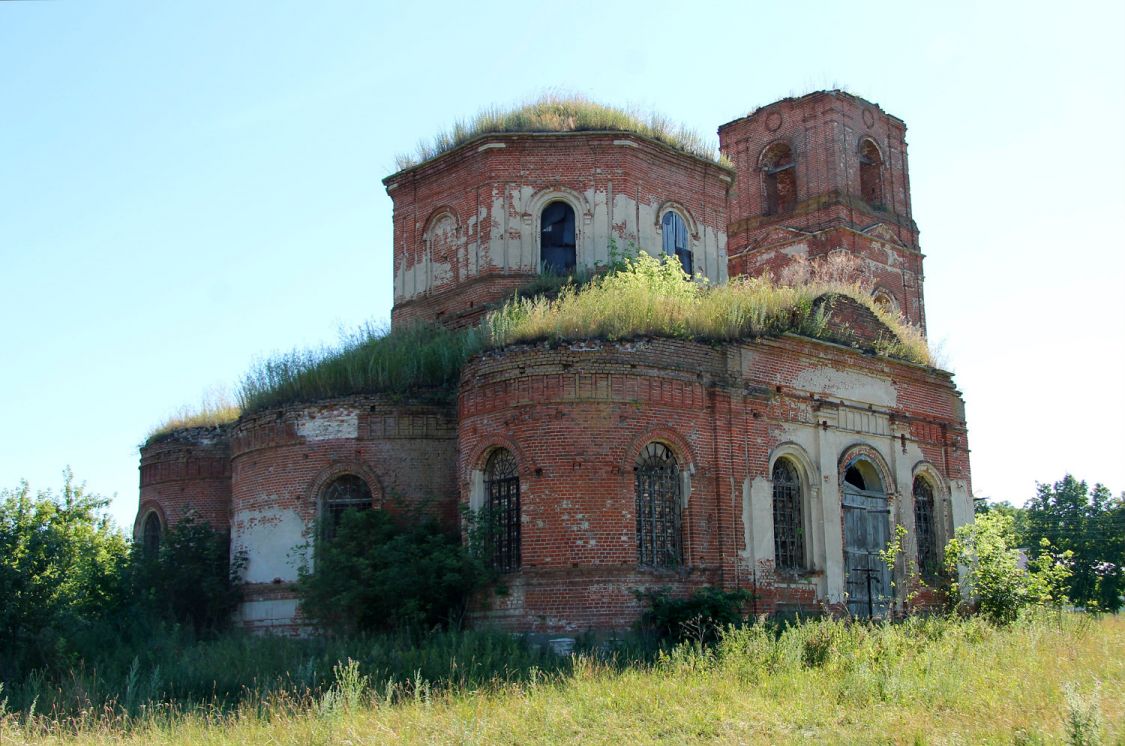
{"x":824,"y":130}
{"x":575,"y":417}
{"x":186,"y":471}
{"x":467,"y":182}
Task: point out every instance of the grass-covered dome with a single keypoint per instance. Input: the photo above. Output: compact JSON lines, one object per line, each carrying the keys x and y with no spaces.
{"x":563,"y":113}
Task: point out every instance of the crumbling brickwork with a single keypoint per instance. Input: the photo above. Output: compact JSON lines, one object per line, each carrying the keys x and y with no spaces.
{"x":639,"y":464}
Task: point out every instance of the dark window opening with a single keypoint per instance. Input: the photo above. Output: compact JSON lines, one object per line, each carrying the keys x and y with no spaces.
{"x":343,"y":494}
{"x":788,"y":522}
{"x":853,"y":477}
{"x":151,"y":533}
{"x":675,"y":237}
{"x":928,"y":560}
{"x":781,"y":180}
{"x":502,"y":510}
{"x":657,"y":478}
{"x":871,"y":174}
{"x":556,"y":239}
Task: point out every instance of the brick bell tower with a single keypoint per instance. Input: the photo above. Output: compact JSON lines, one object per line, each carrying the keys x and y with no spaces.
{"x":819,"y":173}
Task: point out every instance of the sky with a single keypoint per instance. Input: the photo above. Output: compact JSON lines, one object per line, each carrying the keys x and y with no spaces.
{"x":186,"y":188}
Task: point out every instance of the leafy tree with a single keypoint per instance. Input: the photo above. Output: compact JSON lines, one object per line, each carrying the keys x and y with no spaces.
{"x":1091,"y":525}
{"x":190,"y":580}
{"x":985,"y":565}
{"x":377,"y":574}
{"x":61,"y":560}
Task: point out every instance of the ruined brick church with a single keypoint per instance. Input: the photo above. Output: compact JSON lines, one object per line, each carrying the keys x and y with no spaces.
{"x":776,"y":465}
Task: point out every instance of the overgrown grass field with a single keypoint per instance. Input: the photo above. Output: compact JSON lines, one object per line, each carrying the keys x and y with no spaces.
{"x":1054,"y":678}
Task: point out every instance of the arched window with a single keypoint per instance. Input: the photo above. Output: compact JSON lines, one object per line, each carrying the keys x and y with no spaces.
{"x":780,"y":179}
{"x":925,"y":529}
{"x":884,"y":300}
{"x":675,"y":233}
{"x":151,"y":533}
{"x":657,"y":480}
{"x":870,"y":173}
{"x":502,"y":510}
{"x":556,"y":238}
{"x":788,"y":521}
{"x":344,"y":493}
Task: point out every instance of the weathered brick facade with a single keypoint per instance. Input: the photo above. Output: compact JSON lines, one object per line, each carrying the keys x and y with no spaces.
{"x":769,"y":451}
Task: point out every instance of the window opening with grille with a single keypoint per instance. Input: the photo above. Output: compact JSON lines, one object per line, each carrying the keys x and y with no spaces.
{"x":675,"y":238}
{"x":788,"y":521}
{"x":502,"y":510}
{"x":924,"y":529}
{"x":344,"y":493}
{"x":657,"y":477}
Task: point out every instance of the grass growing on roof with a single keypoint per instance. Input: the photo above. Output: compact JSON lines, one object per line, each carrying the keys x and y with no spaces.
{"x":420,"y":360}
{"x":651,"y":297}
{"x":563,"y":113}
{"x":639,"y":297}
{"x":216,"y":409}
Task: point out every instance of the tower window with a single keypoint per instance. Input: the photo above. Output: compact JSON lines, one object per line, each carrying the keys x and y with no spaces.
{"x":502,"y":511}
{"x":343,"y":494}
{"x":924,"y":530}
{"x":870,"y":173}
{"x":556,"y":239}
{"x":151,"y":533}
{"x":657,"y":481}
{"x":788,"y":523}
{"x":674,"y":231}
{"x":780,"y":179}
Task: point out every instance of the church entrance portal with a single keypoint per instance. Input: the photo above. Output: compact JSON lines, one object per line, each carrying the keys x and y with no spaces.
{"x":866,"y":521}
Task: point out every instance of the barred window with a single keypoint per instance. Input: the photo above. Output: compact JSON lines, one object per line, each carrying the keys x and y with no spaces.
{"x":780,"y":174}
{"x":151,"y":532}
{"x":675,"y":237}
{"x":502,"y":487}
{"x":928,"y":561}
{"x":788,"y":523}
{"x":344,"y":493}
{"x":657,"y":479}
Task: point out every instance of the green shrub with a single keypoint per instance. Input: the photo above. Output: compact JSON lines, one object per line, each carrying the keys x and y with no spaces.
{"x":991,"y":580}
{"x":381,"y":574}
{"x":190,"y":580}
{"x":701,"y":617}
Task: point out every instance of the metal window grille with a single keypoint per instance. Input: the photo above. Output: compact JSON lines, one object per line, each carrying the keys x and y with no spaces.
{"x":924,"y":528}
{"x":151,"y":534}
{"x":788,"y":524}
{"x":557,"y":238}
{"x":502,"y":484}
{"x":657,"y":479}
{"x":347,"y":492}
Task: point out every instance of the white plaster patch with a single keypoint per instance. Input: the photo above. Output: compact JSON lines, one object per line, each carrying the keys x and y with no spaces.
{"x":268,"y":537}
{"x":328,"y":424}
{"x":848,"y":385}
{"x":265,"y":614}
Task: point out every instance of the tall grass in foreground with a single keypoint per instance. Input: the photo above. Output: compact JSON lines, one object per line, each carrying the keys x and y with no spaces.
{"x":1045,"y":679}
{"x":563,"y":113}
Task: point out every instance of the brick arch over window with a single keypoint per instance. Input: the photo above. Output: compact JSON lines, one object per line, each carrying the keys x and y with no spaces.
{"x":501,"y":509}
{"x":870,"y":172}
{"x":658,"y":506}
{"x":863,"y":454}
{"x":933,"y":525}
{"x":318,"y":489}
{"x":152,"y":532}
{"x":147,"y":508}
{"x":792,"y":476}
{"x":541,"y":202}
{"x":779,"y":178}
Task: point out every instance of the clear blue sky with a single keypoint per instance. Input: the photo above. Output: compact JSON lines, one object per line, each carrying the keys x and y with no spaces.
{"x":187,"y":187}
